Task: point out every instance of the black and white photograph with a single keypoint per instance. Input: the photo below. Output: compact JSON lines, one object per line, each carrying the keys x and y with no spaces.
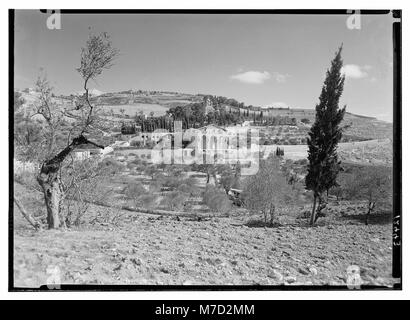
{"x":204,"y":149}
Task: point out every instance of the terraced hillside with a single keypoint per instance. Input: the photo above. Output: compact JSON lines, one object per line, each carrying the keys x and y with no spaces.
{"x":127,"y":104}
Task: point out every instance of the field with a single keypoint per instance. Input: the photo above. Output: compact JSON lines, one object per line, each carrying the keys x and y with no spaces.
{"x":160,"y":224}
{"x":137,"y":248}
{"x":365,"y":152}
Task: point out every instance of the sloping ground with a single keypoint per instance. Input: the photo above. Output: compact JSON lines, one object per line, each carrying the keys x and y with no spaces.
{"x":366,"y":152}
{"x":133,"y":109}
{"x":369,"y":152}
{"x":360,"y":127}
{"x":148,"y":249}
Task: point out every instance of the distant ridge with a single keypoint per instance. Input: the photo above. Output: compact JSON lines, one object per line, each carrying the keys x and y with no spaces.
{"x":92,"y":92}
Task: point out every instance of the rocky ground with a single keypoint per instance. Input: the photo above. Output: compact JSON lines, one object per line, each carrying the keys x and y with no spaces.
{"x":146,"y":249}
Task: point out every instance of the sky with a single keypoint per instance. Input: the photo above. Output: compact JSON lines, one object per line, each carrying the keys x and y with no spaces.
{"x":258,"y":59}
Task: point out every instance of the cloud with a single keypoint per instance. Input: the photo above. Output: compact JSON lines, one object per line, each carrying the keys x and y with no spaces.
{"x":279,"y":77}
{"x":354,"y":71}
{"x":258,"y":77}
{"x":253,"y":77}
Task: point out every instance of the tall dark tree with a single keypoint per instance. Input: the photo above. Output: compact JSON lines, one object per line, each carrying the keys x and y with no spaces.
{"x":324,"y":137}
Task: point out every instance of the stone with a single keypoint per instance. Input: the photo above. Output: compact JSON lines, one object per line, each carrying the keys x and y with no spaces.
{"x":290,"y":279}
{"x":276,"y":275}
{"x":303,"y":271}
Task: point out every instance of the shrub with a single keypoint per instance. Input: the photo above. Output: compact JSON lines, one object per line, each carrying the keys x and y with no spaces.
{"x":134,"y":190}
{"x":217,"y":200}
{"x":268,"y":189}
{"x":147,"y":201}
{"x":111,"y":165}
{"x":151,"y":171}
{"x":188,"y":188}
{"x":370,"y":183}
{"x":131,"y":165}
{"x":174,"y":200}
{"x":293,"y":141}
{"x":171,"y":182}
{"x":26,"y":178}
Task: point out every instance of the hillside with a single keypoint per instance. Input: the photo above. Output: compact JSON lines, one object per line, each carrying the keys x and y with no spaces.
{"x":126,"y":104}
{"x":143,"y":249}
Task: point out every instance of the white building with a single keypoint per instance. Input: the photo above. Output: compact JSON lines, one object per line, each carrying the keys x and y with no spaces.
{"x":81,"y":155}
{"x":158,"y":134}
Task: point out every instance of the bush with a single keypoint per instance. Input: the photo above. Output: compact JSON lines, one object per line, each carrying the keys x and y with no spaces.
{"x":131,"y":165}
{"x":293,"y":141}
{"x":26,"y":178}
{"x":151,"y":171}
{"x":370,"y":183}
{"x":268,"y":190}
{"x":147,"y":201}
{"x":134,"y":190}
{"x":171,"y":182}
{"x":174,"y":200}
{"x":217,"y":200}
{"x":188,"y":188}
{"x":111,"y":165}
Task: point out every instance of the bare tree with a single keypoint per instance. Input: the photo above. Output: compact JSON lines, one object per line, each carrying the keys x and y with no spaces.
{"x":27,"y":131}
{"x":370,"y":183}
{"x":97,"y":56}
{"x":82,"y":184}
{"x":267,"y":190}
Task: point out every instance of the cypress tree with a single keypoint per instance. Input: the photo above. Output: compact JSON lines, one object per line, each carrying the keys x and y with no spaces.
{"x":324,"y":137}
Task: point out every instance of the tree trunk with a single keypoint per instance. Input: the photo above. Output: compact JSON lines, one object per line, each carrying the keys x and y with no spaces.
{"x":51,"y":186}
{"x":49,"y":180}
{"x":272,"y":213}
{"x":321,"y":205}
{"x":313,"y":214}
{"x":369,"y":211}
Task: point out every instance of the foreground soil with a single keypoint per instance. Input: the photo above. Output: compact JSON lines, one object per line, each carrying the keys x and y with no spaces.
{"x":145,"y":249}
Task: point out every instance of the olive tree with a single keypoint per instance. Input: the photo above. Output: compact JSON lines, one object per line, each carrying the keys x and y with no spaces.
{"x":372,"y":184}
{"x":268,"y":189}
{"x":97,"y":56}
